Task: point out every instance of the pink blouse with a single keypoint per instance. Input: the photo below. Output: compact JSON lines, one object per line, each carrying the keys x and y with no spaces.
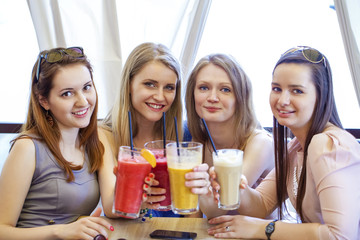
{"x":332,"y":195}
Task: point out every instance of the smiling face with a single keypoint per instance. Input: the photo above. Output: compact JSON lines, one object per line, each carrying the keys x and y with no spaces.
{"x":293,"y":96}
{"x":214,"y":96}
{"x":72,"y":97}
{"x":153,"y":90}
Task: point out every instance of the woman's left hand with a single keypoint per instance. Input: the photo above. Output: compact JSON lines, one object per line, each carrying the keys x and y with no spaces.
{"x":198,"y":179}
{"x":237,"y":226}
{"x":152,"y":195}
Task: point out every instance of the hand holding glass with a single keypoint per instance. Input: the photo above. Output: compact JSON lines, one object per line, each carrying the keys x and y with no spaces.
{"x":182,"y":160}
{"x":228,"y":169}
{"x":161,"y":171}
{"x":131,"y":172}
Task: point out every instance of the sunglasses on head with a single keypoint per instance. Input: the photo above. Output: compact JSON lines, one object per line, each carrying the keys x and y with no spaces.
{"x":310,"y":54}
{"x":56,"y":55}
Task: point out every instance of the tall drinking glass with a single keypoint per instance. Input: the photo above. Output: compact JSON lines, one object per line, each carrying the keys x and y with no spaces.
{"x":182,"y":160}
{"x":131,"y":172}
{"x":161,"y":170}
{"x":228,"y":169}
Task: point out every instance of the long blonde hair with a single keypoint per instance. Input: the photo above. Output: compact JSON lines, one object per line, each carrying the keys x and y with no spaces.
{"x":245,"y":119}
{"x":117,"y":119}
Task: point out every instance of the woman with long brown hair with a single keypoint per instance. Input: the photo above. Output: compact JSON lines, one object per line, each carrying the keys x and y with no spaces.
{"x":317,"y":170}
{"x":50,"y":177}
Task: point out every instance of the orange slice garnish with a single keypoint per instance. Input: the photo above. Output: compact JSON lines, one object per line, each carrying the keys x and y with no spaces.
{"x":149,"y":156}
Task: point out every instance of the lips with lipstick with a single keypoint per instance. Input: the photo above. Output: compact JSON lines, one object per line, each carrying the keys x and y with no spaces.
{"x":81,"y":112}
{"x":155,"y":106}
{"x":284,"y":113}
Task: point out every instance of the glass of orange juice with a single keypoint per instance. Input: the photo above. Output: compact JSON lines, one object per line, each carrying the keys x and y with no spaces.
{"x":181,"y":159}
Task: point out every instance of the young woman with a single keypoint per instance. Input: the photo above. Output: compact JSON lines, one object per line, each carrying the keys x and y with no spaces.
{"x":317,"y":170}
{"x":150,"y":85}
{"x":49,"y":179}
{"x":220,"y":92}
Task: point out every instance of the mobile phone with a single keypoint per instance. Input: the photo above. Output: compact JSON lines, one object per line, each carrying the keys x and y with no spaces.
{"x":172,"y":234}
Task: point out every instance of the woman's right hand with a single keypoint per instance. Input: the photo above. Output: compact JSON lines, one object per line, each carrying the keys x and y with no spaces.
{"x":86,"y":228}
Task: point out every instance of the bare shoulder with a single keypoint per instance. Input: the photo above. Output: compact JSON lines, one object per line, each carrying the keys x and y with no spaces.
{"x":24,"y":146}
{"x":259,"y":145}
{"x":261,"y":137}
{"x":105,"y":134}
{"x":21,"y":158}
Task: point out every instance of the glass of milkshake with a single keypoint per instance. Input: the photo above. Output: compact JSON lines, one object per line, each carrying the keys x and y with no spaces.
{"x":228,"y":169}
{"x":181,"y":160}
{"x":161,"y":170}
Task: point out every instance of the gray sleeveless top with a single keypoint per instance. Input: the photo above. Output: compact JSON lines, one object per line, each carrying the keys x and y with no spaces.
{"x":52,"y":200}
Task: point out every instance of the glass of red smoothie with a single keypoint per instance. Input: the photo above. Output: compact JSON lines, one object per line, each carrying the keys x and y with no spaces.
{"x":131,"y":172}
{"x":161,"y":171}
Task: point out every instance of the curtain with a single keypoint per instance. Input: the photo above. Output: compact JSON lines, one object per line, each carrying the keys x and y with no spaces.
{"x":193,"y":34}
{"x":90,"y":24}
{"x":348,"y":12}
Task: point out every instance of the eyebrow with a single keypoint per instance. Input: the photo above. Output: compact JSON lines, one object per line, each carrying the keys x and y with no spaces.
{"x":292,"y":85}
{"x":67,"y":89}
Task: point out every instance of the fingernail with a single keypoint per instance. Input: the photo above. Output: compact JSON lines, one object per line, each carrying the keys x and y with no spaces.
{"x":147,"y":179}
{"x":146,"y":186}
{"x":144,"y":195}
{"x":111,"y":228}
{"x":151,"y":175}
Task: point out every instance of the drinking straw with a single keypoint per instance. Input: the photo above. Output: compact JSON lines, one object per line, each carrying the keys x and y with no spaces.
{"x":207,"y":130}
{"x":131,"y":136}
{"x":177,"y":136}
{"x":164,"y":134}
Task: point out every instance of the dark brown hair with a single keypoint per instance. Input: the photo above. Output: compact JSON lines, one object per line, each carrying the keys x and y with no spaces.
{"x":325,"y":111}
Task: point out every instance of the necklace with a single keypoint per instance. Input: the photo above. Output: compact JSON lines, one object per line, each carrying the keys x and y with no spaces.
{"x":296,"y":177}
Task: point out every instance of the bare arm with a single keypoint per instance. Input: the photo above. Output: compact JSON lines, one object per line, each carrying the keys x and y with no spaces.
{"x":106,"y":177}
{"x":258,"y":158}
{"x":15,"y":181}
{"x":254,"y":228}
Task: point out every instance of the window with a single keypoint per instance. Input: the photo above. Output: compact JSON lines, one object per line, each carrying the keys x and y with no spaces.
{"x":257,"y":32}
{"x":19,"y":50}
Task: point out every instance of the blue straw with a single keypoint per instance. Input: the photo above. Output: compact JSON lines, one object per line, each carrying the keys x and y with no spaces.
{"x":177,"y":136}
{"x":164,"y":134}
{"x":131,"y":136}
{"x":207,"y":130}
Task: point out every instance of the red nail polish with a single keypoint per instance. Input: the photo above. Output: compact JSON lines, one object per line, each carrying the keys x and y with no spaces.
{"x":111,"y":228}
{"x":147,"y":179}
{"x":144,"y":195}
{"x":146,"y":186}
{"x":151,"y":175}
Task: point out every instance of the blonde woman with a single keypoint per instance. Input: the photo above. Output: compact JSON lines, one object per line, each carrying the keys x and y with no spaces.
{"x":150,"y":85}
{"x":219,"y":91}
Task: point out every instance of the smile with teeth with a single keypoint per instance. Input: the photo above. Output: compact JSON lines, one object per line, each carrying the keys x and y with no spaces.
{"x":156,"y":106}
{"x":80,"y":112}
{"x":284,"y":112}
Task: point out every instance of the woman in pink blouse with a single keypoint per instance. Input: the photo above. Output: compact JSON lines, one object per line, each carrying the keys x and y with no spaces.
{"x":318,"y":170}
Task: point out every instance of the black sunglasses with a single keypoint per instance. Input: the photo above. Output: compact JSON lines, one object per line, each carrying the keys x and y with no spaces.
{"x":57,"y":55}
{"x":310,"y":54}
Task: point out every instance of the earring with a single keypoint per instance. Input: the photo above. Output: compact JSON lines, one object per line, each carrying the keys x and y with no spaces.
{"x":49,"y":118}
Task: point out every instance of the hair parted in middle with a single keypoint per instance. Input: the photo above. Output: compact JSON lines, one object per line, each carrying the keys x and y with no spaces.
{"x":117,"y":119}
{"x":245,"y":118}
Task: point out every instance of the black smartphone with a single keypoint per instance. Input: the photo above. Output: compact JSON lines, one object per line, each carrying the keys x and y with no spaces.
{"x":172,"y":234}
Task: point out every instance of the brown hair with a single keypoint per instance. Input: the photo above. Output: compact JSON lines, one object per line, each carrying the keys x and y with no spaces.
{"x":37,"y":126}
{"x":325,"y":111}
